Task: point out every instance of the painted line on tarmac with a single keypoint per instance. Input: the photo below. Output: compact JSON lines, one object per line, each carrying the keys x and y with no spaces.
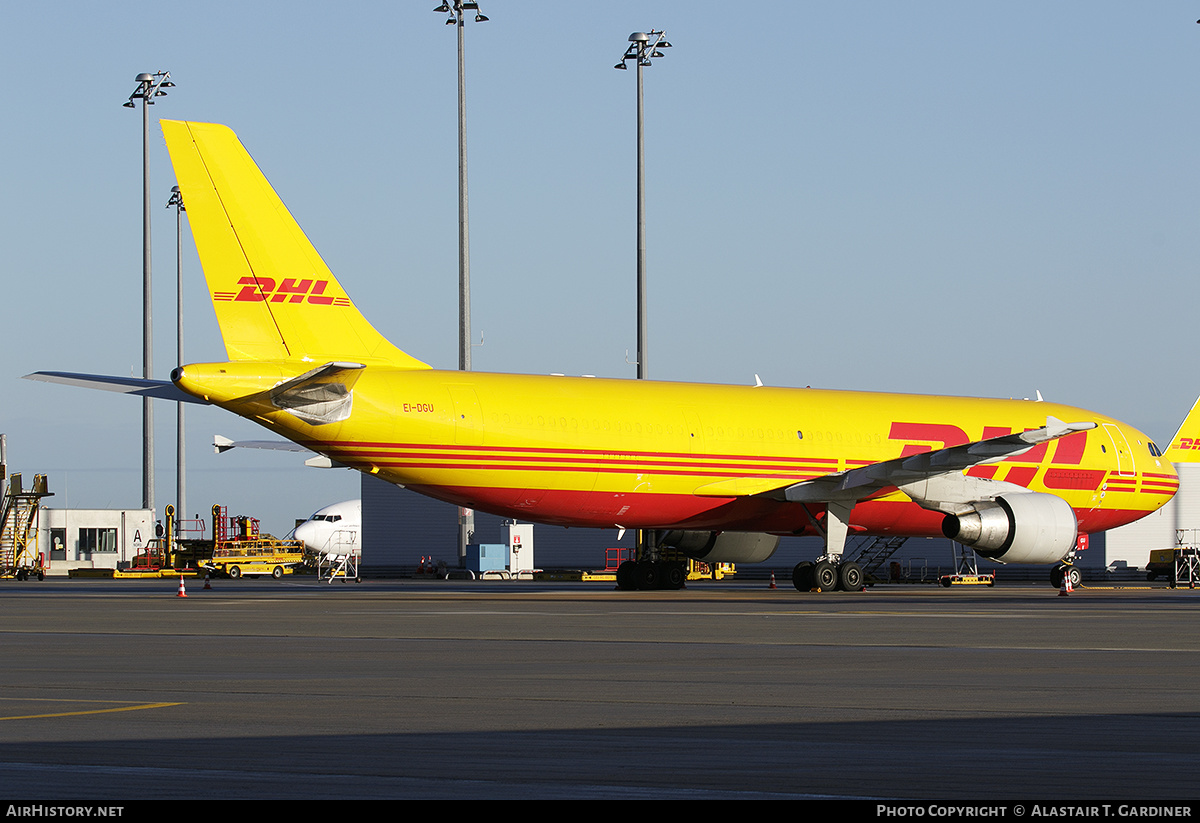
{"x":138,"y":708}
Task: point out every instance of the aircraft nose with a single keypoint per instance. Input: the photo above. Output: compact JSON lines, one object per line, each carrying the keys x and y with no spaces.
{"x":305,"y":533}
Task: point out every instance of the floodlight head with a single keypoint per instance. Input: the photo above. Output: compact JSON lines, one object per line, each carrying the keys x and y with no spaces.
{"x":479,"y":18}
{"x":620,"y":66}
{"x":443,"y":8}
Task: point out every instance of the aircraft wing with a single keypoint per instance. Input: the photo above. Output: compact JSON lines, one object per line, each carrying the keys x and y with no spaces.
{"x":860,"y":483}
{"x":160,"y":389}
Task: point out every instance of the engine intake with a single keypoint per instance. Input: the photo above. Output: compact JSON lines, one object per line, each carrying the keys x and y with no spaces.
{"x":723,"y":547}
{"x":1017,"y":528}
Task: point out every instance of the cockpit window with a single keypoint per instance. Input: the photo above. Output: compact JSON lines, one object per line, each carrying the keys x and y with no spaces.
{"x":1155,"y":451}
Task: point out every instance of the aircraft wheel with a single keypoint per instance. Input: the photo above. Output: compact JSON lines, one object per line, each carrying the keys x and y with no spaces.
{"x":1075,"y":576}
{"x":235,"y":572}
{"x":825,"y":576}
{"x":850,"y":577}
{"x":646,"y":575}
{"x":673,"y":576}
{"x":625,"y":579}
{"x":277,"y":572}
{"x":802,"y":576}
{"x":1056,"y":577}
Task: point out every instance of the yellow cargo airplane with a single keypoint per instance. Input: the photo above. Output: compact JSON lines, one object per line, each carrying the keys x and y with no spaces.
{"x":715,"y":472}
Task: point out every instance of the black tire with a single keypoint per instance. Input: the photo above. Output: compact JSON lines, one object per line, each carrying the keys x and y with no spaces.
{"x":234,"y":571}
{"x":646,"y":575}
{"x":850,"y":577}
{"x":802,"y":577}
{"x":277,"y":572}
{"x":1075,"y":576}
{"x":625,"y":577}
{"x":673,"y":576}
{"x":825,"y":576}
{"x":1056,"y":577}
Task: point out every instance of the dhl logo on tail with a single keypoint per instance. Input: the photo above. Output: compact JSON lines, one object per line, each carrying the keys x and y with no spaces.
{"x":291,"y":290}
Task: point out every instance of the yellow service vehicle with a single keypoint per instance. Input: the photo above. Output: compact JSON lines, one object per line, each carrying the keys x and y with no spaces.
{"x":240,"y":549}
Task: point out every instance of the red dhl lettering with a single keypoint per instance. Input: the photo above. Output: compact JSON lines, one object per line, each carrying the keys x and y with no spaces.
{"x":291,"y":290}
{"x":1188,"y":443}
{"x":1068,"y":450}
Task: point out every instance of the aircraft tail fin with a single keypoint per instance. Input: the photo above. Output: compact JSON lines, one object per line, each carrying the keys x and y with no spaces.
{"x":1185,"y":445}
{"x":274,"y":297}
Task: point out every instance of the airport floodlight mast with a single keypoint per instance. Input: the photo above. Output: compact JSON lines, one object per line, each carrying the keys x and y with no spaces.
{"x":149,"y":86}
{"x":642,"y":47}
{"x":457,"y":16}
{"x":180,"y":454}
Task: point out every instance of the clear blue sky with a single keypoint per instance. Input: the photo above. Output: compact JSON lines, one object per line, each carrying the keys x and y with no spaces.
{"x":939,"y":197}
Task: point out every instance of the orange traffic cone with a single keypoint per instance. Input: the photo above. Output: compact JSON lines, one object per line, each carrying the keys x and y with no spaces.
{"x":772,"y":586}
{"x":206,"y":586}
{"x":1064,"y":588}
{"x":182,"y":590}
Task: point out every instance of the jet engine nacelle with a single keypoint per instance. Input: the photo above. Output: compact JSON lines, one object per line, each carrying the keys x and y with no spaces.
{"x":723,"y":547}
{"x":1016,"y":528}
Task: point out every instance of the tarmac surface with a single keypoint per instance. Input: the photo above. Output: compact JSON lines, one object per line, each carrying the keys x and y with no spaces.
{"x":296,"y":689}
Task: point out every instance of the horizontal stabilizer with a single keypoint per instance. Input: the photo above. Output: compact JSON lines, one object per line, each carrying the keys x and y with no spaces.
{"x":159,"y":389}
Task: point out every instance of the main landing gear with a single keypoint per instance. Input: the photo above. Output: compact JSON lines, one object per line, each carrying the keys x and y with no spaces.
{"x":650,"y":574}
{"x":827,"y":575}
